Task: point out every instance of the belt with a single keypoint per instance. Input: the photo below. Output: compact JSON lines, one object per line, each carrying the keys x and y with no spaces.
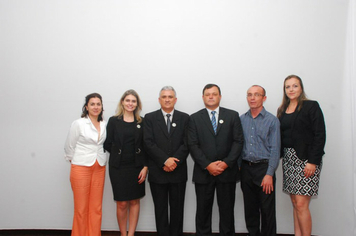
{"x":250,"y":163}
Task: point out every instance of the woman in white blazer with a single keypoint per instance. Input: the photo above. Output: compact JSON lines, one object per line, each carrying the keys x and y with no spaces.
{"x":84,"y":149}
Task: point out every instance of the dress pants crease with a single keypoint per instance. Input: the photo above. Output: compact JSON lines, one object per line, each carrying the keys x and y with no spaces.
{"x":168,"y":199}
{"x":87,"y":185}
{"x":225,"y":193}
{"x":260,"y":208}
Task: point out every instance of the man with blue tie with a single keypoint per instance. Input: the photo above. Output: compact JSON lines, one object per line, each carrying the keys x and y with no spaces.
{"x":165,"y":139}
{"x":259,"y":161}
{"x":215,"y":140}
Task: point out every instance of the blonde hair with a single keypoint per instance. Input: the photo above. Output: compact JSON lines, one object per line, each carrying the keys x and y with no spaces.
{"x":120,"y":108}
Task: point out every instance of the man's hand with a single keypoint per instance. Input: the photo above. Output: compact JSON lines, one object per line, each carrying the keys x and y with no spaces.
{"x":170,"y":164}
{"x":215,"y":168}
{"x":223,"y":165}
{"x":267,"y":184}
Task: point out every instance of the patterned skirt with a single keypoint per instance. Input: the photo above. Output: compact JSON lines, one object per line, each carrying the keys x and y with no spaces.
{"x":294,"y":181}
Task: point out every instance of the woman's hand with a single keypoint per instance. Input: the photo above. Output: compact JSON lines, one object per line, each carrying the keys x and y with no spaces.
{"x":309,"y":170}
{"x":142,"y":175}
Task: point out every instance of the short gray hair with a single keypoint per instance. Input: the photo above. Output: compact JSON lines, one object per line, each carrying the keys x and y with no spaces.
{"x":167,"y":88}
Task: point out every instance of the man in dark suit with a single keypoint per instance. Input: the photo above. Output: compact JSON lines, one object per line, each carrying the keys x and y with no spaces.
{"x":165,"y":138}
{"x":215,"y":140}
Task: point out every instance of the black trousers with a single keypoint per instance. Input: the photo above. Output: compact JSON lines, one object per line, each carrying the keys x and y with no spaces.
{"x":225,"y":193}
{"x":172,"y":195}
{"x":260,"y":208}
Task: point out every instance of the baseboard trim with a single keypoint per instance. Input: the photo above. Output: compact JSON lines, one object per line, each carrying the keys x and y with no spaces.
{"x":55,"y":232}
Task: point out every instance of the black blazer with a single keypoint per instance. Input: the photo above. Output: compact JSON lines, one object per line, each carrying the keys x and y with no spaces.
{"x":308,"y":132}
{"x":206,"y":147}
{"x":160,"y":146}
{"x":114,"y":141}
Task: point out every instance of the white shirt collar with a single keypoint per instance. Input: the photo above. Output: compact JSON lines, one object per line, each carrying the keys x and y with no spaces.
{"x":217,"y":111}
{"x":165,"y":113}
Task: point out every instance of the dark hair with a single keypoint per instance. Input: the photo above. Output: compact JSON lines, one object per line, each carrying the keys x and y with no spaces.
{"x":87,"y":98}
{"x":208,"y":86}
{"x":285,"y":101}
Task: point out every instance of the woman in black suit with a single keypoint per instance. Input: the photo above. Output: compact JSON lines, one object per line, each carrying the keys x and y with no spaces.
{"x":303,"y":141}
{"x":127,"y":163}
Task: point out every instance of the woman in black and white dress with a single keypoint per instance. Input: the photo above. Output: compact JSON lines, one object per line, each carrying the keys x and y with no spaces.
{"x":127,"y":162}
{"x":303,"y":140}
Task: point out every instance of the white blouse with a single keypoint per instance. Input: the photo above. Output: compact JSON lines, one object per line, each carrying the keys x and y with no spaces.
{"x":84,"y":144}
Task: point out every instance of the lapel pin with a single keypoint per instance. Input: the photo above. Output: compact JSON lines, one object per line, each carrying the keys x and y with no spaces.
{"x":221,"y":121}
{"x":174,"y":124}
{"x":138,"y":126}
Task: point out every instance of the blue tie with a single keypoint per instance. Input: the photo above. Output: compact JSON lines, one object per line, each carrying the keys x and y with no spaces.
{"x":213,"y":121}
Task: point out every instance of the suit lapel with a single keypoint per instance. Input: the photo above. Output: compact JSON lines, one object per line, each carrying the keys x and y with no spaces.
{"x":102,"y":130}
{"x":221,"y":118}
{"x":175,"y":122}
{"x":120,"y":126}
{"x":138,"y":128}
{"x":162,"y":122}
{"x":294,"y":116}
{"x":205,"y":116}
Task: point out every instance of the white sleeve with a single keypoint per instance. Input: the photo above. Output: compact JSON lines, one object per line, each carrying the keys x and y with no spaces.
{"x":71,"y":141}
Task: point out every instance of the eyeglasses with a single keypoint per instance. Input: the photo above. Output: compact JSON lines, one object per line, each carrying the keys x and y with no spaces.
{"x":249,"y":95}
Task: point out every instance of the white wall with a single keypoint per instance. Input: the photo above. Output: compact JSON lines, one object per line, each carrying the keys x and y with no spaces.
{"x":53,"y":53}
{"x":351,"y":74}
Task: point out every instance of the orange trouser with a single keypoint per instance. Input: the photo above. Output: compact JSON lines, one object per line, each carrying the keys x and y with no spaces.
{"x":87,"y":185}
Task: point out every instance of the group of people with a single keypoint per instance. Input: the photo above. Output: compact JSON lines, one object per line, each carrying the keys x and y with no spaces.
{"x":225,"y":147}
